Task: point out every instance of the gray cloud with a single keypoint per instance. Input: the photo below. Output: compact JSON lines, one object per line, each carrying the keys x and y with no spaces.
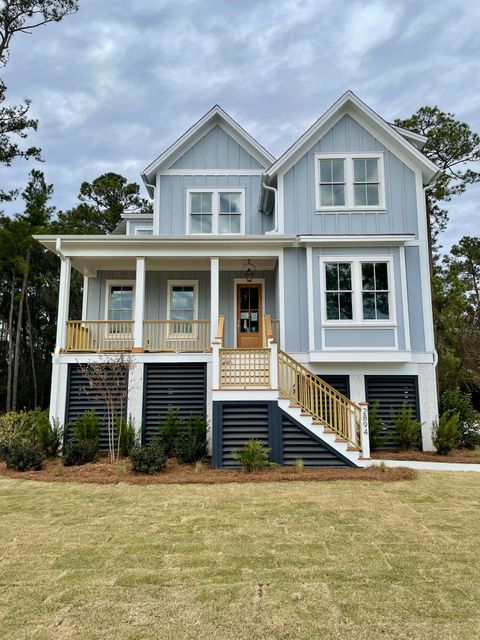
{"x":115,"y":84}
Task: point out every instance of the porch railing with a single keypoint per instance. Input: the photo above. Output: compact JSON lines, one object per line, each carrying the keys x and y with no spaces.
{"x":244,"y":368}
{"x":322,"y":402}
{"x":174,"y":335}
{"x":99,"y":335}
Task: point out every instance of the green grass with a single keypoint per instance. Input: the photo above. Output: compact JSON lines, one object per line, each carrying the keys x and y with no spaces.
{"x":360,"y":560}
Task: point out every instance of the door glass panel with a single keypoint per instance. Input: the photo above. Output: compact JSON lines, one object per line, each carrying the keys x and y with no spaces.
{"x":249,"y":310}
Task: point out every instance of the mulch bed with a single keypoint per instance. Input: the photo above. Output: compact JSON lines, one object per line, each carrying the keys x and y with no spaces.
{"x":465,"y":456}
{"x":102,"y":472}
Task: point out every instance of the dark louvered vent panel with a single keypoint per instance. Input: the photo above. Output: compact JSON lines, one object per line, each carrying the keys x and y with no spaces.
{"x":181,"y":386}
{"x":391,"y":392}
{"x":340,"y":383}
{"x":81,"y":398}
{"x":299,"y":444}
{"x":240,"y":422}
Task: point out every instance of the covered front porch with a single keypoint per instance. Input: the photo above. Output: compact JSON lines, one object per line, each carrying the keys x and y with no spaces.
{"x":157,"y":304}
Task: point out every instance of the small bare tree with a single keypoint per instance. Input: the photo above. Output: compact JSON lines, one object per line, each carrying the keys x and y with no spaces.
{"x":107,"y":378}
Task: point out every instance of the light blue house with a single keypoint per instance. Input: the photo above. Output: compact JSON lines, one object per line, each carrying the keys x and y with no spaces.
{"x":275,"y":296}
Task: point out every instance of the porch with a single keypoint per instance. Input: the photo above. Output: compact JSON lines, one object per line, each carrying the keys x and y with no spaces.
{"x":172,"y":304}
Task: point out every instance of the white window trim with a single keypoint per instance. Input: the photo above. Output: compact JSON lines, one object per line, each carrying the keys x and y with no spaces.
{"x":216,"y":209}
{"x":116,"y":283}
{"x":132,"y":226}
{"x":349,"y":195}
{"x":183,"y":283}
{"x":358,"y":320}
{"x":146,"y":228}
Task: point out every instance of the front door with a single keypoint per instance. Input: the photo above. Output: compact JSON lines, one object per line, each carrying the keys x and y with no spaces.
{"x":249,"y":316}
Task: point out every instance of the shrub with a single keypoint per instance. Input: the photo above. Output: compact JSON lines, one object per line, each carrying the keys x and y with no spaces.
{"x":374,"y":427}
{"x":87,"y":428}
{"x":23,"y":456}
{"x":407,"y":429}
{"x":49,"y":435}
{"x":127,"y":436}
{"x":454,"y":401}
{"x":446,"y":433}
{"x":300,"y":465}
{"x":169,"y":431}
{"x":191,"y":441}
{"x":17,"y":426}
{"x":253,"y":456}
{"x":80,"y":452}
{"x":150,"y":459}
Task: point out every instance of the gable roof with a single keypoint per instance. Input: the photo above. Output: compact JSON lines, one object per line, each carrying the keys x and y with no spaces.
{"x":216,"y":116}
{"x":349,"y":103}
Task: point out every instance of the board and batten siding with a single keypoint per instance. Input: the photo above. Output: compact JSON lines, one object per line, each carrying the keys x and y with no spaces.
{"x":173,"y":201}
{"x":348,"y":136}
{"x":216,"y":150}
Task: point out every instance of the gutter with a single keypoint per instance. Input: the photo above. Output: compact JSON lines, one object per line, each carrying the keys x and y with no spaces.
{"x":266,"y":186}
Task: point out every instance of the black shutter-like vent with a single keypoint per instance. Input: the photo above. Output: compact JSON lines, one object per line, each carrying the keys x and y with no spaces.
{"x":240,"y":422}
{"x":80,"y":398}
{"x":181,"y":386}
{"x":391,"y":392}
{"x":297,"y":443}
{"x":340,"y":383}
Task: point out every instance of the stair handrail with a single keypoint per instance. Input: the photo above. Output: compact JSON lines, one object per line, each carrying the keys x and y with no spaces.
{"x":333,"y":409}
{"x":220,"y":329}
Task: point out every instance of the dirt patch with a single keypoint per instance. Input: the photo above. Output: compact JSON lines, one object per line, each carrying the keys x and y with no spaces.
{"x":102,"y":472}
{"x":465,"y":456}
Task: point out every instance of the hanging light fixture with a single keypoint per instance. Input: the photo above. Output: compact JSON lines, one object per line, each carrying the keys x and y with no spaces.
{"x":249,"y":270}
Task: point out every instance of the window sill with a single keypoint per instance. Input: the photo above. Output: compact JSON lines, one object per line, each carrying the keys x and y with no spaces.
{"x":349,"y":209}
{"x":367,"y":324}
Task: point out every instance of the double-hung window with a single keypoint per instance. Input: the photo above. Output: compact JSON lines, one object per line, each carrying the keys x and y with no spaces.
{"x":119,"y":306}
{"x":339,"y":290}
{"x":357,"y":290}
{"x":182,"y":306}
{"x":218,"y":211}
{"x":375,"y":291}
{"x":349,"y":182}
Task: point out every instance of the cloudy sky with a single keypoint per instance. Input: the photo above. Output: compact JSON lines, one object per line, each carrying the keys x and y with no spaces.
{"x":116,"y":83}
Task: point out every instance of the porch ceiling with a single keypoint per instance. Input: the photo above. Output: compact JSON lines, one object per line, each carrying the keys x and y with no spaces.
{"x":89,"y":266}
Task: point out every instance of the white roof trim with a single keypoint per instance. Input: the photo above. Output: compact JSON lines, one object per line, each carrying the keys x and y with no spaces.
{"x":215,"y":116}
{"x":349,"y":101}
{"x":355,"y":240}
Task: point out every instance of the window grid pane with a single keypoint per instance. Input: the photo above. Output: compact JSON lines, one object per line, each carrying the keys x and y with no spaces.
{"x":338,"y":279}
{"x":366,"y":182}
{"x":182,"y":308}
{"x":375,"y":291}
{"x":332,"y":182}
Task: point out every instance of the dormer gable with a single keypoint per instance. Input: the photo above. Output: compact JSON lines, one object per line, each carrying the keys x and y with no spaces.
{"x":216,"y":139}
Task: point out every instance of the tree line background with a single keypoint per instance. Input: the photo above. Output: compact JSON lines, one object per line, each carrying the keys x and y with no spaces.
{"x":29,"y":275}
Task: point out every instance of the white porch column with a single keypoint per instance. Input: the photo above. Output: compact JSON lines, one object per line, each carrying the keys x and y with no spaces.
{"x":139,"y":305}
{"x":85,"y":297}
{"x":63,"y":304}
{"x":214,"y":295}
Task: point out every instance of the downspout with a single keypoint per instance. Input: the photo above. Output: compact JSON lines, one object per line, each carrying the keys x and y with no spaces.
{"x":266,"y":186}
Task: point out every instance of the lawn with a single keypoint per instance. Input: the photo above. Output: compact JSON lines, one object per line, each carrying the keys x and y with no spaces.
{"x":303,"y":560}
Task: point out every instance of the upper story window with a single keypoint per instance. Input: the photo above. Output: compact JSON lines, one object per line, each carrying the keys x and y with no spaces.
{"x":349,"y":181}
{"x":357,"y":290}
{"x":216,"y":211}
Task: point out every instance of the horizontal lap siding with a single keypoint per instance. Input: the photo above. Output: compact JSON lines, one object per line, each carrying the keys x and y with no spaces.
{"x":299,"y":444}
{"x":181,"y":386}
{"x":81,"y":399}
{"x":391,"y":392}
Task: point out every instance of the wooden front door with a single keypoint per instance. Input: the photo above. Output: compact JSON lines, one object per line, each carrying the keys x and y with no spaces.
{"x":249,"y":316}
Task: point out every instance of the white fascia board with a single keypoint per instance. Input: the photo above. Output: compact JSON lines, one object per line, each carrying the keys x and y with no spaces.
{"x":216,"y":115}
{"x":417,"y":139}
{"x":136,"y":216}
{"x":354,"y":240}
{"x":349,"y":103}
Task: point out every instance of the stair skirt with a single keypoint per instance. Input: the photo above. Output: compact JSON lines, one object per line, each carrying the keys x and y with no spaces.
{"x":234,"y":423}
